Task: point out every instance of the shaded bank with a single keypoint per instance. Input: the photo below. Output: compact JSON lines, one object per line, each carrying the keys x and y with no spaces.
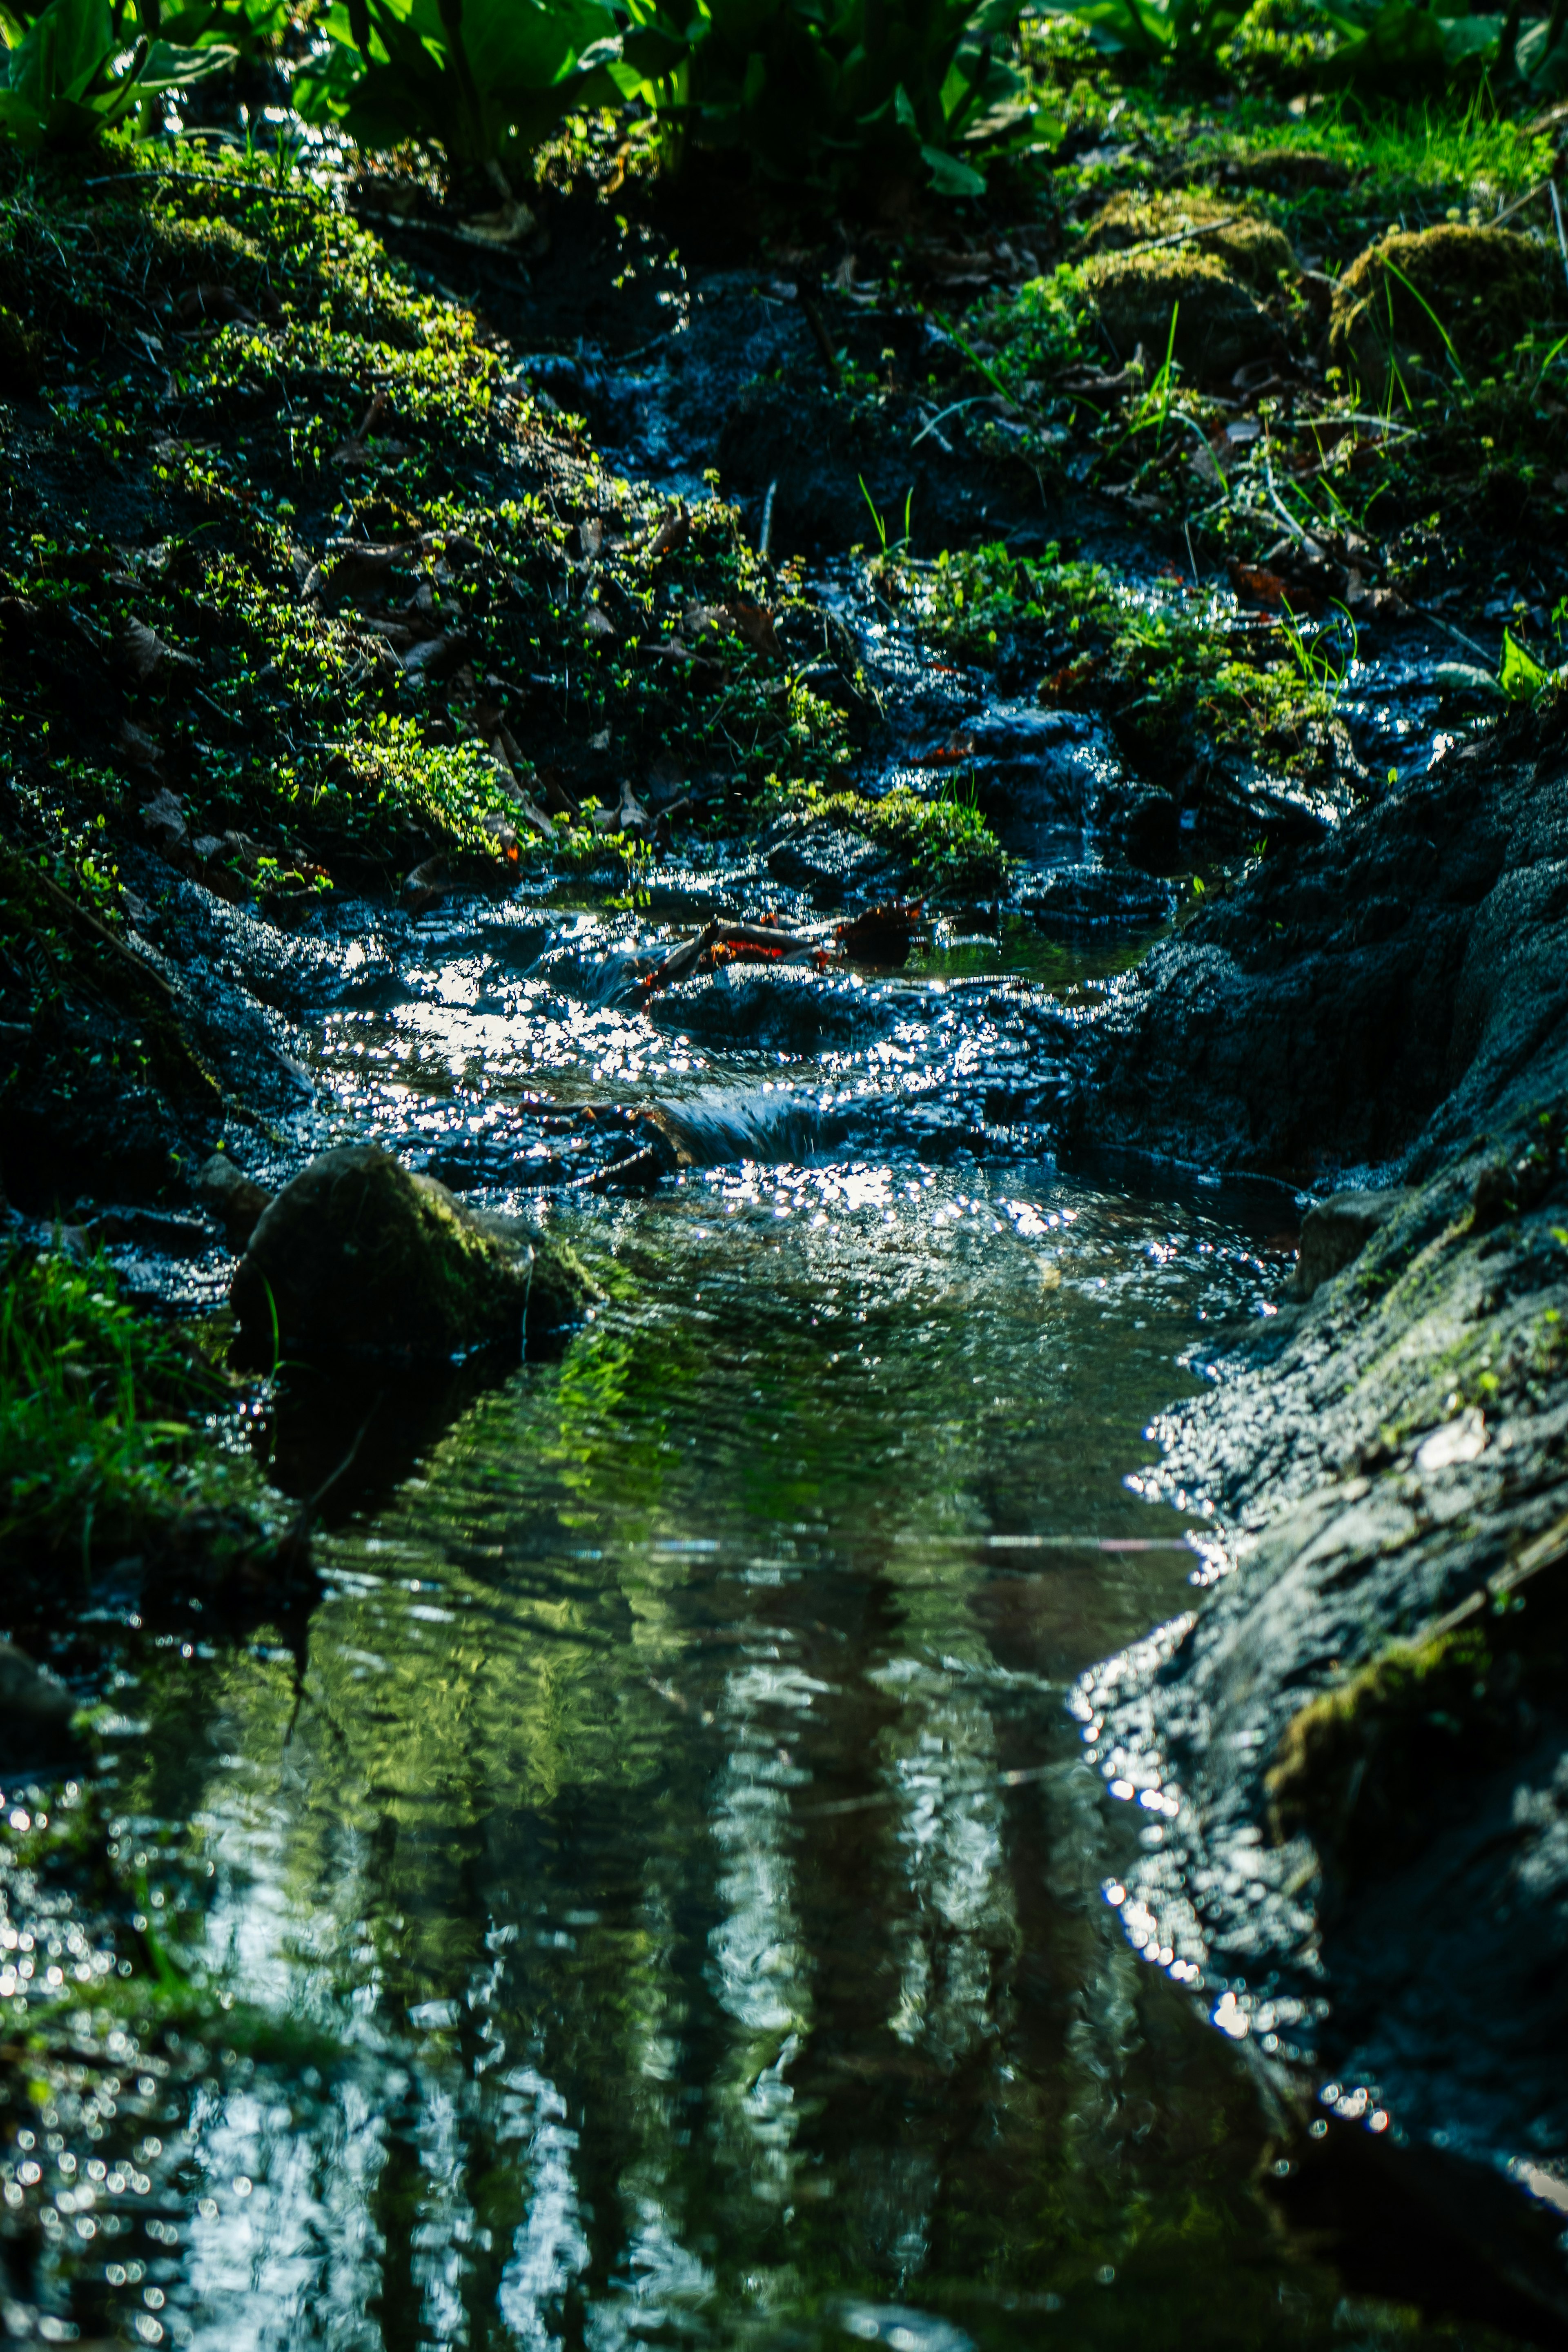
{"x":1354,"y":1756}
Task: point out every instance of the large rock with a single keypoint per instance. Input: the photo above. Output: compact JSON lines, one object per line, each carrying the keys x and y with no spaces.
{"x":1252,"y":249}
{"x":1392,"y":990}
{"x":36,"y":1711}
{"x":360,"y":1256}
{"x":1219,"y":325}
{"x":235,"y":1197}
{"x":1335,"y":1231}
{"x":1427,"y":297}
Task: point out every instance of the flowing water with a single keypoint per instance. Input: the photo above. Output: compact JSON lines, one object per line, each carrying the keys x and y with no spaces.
{"x":659,"y":1894}
{"x":660,"y":1898}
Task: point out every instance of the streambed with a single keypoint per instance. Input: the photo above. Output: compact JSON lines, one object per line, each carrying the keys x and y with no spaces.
{"x":659,"y":1894}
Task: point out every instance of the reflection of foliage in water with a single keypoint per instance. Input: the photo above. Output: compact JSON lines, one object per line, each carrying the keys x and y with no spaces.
{"x":637,"y":1828}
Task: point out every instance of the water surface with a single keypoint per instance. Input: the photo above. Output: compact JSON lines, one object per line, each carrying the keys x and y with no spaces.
{"x":659,"y":1900}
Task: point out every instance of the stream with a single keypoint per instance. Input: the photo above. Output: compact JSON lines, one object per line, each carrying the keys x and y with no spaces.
{"x":661,"y":1896}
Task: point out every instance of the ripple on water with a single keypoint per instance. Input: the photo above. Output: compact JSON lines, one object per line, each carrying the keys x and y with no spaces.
{"x":664,"y":1899}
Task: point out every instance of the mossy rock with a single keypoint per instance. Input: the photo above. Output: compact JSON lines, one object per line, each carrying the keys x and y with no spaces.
{"x":1409,"y":298}
{"x":1361,"y":1769}
{"x":359,"y":1256}
{"x":1220,"y":326}
{"x":1252,"y":250}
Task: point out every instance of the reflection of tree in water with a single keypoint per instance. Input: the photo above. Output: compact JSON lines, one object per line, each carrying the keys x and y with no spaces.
{"x":697,"y":1963}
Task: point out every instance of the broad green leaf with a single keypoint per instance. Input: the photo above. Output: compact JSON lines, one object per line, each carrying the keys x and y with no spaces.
{"x":951,"y":176}
{"x":1521,"y":676}
{"x":168,"y":68}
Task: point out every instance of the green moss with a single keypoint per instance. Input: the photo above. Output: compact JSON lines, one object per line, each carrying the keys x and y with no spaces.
{"x":1351,"y":1760}
{"x":1453,"y":298}
{"x":950,"y":847}
{"x":1172,"y":672}
{"x":1252,"y":249}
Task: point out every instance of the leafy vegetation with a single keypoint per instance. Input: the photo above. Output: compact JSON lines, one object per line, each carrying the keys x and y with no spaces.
{"x":97,"y":1435}
{"x":486,"y":82}
{"x":68,"y":77}
{"x":1381,"y":44}
{"x":855,"y":90}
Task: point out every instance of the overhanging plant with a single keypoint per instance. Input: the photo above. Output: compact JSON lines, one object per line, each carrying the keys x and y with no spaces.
{"x":483,"y":79}
{"x":77,"y":70}
{"x":833,"y":91}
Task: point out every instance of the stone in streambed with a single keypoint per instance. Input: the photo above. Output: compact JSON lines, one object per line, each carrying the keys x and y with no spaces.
{"x":36,"y":1711}
{"x":1335,"y":1231}
{"x":232,"y":1195}
{"x":1219,"y":325}
{"x":1437,"y":296}
{"x":358,"y":1255}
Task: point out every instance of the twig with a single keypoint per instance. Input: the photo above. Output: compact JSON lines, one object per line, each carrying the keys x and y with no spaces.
{"x":1177,"y":236}
{"x":819,"y":335}
{"x":951,"y":409}
{"x":1449,"y":631}
{"x":1280,"y":508}
{"x":128,"y":955}
{"x":1557,"y":217}
{"x":1519,"y":203}
{"x":256,"y":188}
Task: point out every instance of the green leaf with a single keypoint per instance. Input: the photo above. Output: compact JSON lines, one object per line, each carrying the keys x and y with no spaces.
{"x":951,"y":176}
{"x":168,"y":68}
{"x":1521,"y":676}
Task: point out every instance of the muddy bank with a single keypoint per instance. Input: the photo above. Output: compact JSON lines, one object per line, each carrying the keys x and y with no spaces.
{"x":1353,"y":1755}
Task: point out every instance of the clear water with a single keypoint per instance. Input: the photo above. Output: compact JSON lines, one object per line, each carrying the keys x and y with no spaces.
{"x":656,"y":1898}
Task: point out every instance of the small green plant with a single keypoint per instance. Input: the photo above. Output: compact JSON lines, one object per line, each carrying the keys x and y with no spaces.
{"x":76,"y":71}
{"x":636,"y":868}
{"x":880,"y":522}
{"x":94,"y":1410}
{"x":1521,"y":678}
{"x":1317,"y":657}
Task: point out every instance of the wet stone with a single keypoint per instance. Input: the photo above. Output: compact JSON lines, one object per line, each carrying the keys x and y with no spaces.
{"x":1335,"y":1231}
{"x":358,"y":1255}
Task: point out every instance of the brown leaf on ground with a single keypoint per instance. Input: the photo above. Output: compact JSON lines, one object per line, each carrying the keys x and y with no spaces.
{"x":558,"y":800}
{"x":673,"y":532}
{"x":165,"y":821}
{"x":425,"y":886}
{"x":220,"y":304}
{"x":145,"y":655}
{"x":632,"y":816}
{"x":598,"y":622}
{"x":948,"y":755}
{"x":1252,"y":580}
{"x":357,"y":569}
{"x":432,"y":654}
{"x":755,"y":624}
{"x":353,"y":451}
{"x":133,"y":744}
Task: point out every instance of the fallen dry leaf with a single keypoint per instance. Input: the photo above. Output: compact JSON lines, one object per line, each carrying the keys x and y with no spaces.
{"x":145,"y":655}
{"x":1252,"y":579}
{"x":134,"y":743}
{"x":673,"y":532}
{"x":755,"y":624}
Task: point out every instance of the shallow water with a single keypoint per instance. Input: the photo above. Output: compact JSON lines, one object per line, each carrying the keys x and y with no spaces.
{"x":661,"y":1900}
{"x":659,"y":1895}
